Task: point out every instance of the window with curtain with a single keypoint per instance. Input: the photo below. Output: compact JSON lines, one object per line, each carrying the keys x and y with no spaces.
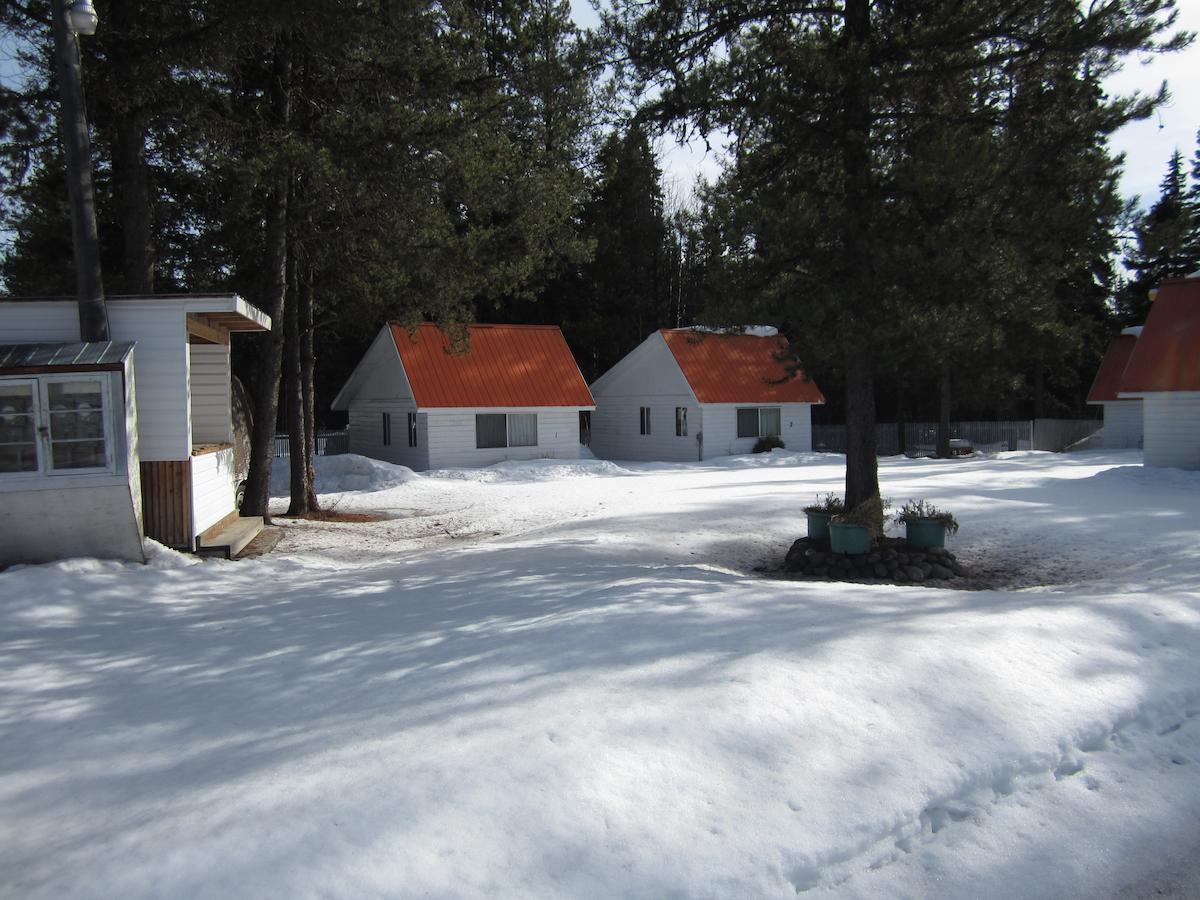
{"x":747,"y":422}
{"x":681,"y":421}
{"x":491,"y":430}
{"x":644,"y":419}
{"x":412,"y":429}
{"x":522,"y":429}
{"x":769,"y":421}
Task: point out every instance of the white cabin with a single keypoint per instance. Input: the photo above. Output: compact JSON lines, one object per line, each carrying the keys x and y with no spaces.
{"x":168,"y":442}
{"x":1164,"y":373}
{"x":1122,"y":417}
{"x":429,"y":399}
{"x":685,"y":394}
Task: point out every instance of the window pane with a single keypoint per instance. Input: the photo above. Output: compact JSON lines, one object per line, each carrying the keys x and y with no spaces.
{"x":747,"y":422}
{"x":76,"y":424}
{"x":79,"y":455}
{"x":522,"y":429}
{"x":681,"y":421}
{"x":490,"y":430}
{"x":18,"y":442}
{"x":412,"y":429}
{"x":769,"y":421}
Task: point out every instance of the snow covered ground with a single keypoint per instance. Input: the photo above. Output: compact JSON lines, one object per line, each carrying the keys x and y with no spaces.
{"x":564,"y":679}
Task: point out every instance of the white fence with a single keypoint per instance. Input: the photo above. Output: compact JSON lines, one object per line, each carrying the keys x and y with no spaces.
{"x":920,"y":438}
{"x":329,"y":443}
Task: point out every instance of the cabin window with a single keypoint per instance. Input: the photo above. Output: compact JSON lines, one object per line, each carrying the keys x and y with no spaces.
{"x":645,"y":419}
{"x":494,"y":430}
{"x":681,"y":421}
{"x":412,"y":429}
{"x":54,"y":425}
{"x":387,"y":429}
{"x":758,"y":421}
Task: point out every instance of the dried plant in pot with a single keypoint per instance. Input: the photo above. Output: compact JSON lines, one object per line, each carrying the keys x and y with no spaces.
{"x":819,"y":514}
{"x":925,"y":525}
{"x":856,"y":530}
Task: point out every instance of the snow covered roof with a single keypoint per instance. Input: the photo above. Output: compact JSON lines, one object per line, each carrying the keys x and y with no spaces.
{"x":508,"y":366}
{"x":1167,"y":355}
{"x":738,"y":368}
{"x":1108,"y":377}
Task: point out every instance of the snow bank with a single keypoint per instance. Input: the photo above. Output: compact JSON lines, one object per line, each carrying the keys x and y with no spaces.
{"x":342,"y":473}
{"x":517,"y":471}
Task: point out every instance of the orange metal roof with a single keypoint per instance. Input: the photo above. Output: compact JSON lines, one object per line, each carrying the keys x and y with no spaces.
{"x":1112,"y":367}
{"x":505,"y":366}
{"x":1167,"y":355}
{"x":737,"y":368}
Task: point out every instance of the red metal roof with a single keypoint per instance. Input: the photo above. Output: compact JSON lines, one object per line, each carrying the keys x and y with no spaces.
{"x":737,"y":368}
{"x":1167,"y":355}
{"x":504,"y":366}
{"x":1112,"y":367}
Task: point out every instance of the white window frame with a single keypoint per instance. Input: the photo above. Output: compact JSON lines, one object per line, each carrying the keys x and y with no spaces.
{"x":43,"y":443}
{"x":759,"y":411}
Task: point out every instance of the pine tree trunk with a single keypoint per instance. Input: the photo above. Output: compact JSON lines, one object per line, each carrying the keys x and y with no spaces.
{"x":943,"y":429}
{"x":862,"y":466}
{"x":308,"y":364}
{"x":266,"y":393}
{"x":293,"y":394}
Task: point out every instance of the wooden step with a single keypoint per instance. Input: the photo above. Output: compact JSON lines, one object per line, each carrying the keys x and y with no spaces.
{"x":230,"y":538}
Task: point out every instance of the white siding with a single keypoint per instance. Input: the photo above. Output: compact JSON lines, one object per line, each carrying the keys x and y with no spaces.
{"x":616,"y":428}
{"x":34,"y":323}
{"x":1122,"y":424}
{"x":452,"y":437}
{"x":720,"y":428}
{"x":209,"y":389}
{"x":366,"y":432}
{"x":1172,"y":430}
{"x":212,"y":488}
{"x":647,"y":376}
{"x":162,"y":366}
{"x":43,"y":525}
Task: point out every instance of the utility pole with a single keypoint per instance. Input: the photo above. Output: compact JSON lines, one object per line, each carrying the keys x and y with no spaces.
{"x":67,"y":22}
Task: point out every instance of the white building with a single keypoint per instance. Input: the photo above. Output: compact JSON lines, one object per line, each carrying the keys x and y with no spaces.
{"x":1122,"y":417}
{"x":684,"y":394}
{"x":429,"y":399}
{"x":1164,"y":372}
{"x":90,"y":461}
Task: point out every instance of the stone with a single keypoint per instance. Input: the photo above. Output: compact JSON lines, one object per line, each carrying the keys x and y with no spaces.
{"x":914,"y":573}
{"x":819,"y":571}
{"x":940,"y":572}
{"x":880,"y":570}
{"x":958,"y":570}
{"x":926,"y":568}
{"x":873,"y":558}
{"x":794,"y":561}
{"x":817,"y":558}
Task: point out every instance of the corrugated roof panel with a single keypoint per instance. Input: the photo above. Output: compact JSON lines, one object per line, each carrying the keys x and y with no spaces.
{"x":737,"y":368}
{"x":1167,"y":355}
{"x":505,"y":366}
{"x":1112,"y":367}
{"x":94,"y":353}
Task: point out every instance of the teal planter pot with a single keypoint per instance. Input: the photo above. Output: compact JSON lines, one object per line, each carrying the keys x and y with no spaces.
{"x":845,"y":538}
{"x":925,"y":533}
{"x":818,"y":525}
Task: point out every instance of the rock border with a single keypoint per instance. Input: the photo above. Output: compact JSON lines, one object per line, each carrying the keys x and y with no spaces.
{"x":895,"y":560}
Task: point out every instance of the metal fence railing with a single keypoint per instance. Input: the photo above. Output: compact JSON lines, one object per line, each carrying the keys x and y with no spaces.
{"x":329,"y":443}
{"x":920,"y":438}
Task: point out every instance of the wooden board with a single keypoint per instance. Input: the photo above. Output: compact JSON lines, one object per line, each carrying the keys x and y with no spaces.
{"x":167,"y":502}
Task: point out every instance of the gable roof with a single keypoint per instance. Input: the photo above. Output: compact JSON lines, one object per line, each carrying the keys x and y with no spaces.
{"x":1167,"y":355}
{"x":1108,"y":377}
{"x":737,"y":368}
{"x":505,"y":366}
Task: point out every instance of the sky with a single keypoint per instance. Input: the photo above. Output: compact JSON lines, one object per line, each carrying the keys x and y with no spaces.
{"x":1147,"y":145}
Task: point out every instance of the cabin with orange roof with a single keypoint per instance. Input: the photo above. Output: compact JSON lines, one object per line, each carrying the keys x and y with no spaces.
{"x":688,"y":394}
{"x":1122,"y":416}
{"x":1164,"y":372}
{"x":427,"y":397}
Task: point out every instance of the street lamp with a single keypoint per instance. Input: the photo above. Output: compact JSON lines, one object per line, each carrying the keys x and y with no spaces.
{"x":67,"y":22}
{"x":82,"y":18}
